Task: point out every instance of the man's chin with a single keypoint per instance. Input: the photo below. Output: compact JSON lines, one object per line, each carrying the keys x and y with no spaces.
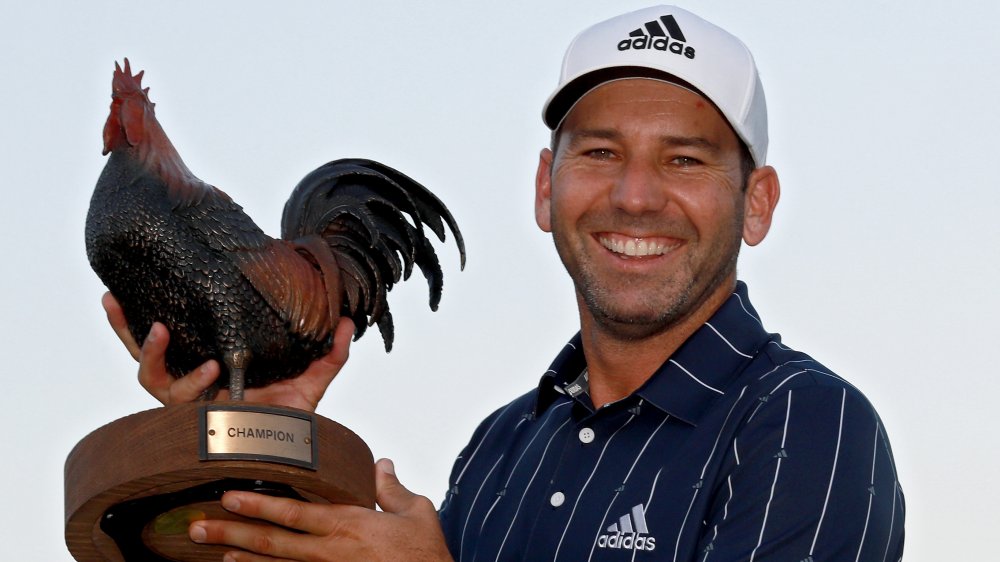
{"x":634,"y":324}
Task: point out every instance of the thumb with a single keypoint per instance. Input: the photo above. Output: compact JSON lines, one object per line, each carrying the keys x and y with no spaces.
{"x":391,"y":496}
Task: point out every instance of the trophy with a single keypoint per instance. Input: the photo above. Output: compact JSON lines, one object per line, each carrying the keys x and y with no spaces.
{"x":174,"y":249}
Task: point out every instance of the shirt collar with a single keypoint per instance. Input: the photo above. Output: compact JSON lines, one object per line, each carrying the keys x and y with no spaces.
{"x":562,"y":373}
{"x":694,"y":376}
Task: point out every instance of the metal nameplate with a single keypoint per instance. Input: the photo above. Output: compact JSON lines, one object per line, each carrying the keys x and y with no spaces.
{"x":257,"y":433}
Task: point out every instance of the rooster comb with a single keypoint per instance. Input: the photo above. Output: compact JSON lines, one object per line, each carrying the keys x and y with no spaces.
{"x":123,"y":82}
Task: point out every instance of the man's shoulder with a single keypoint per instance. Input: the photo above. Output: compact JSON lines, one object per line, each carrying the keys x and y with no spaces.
{"x":779,"y":371}
{"x":520,"y":408}
{"x":779,"y":367}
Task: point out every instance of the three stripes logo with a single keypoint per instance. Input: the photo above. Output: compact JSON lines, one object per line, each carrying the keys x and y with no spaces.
{"x":629,"y":533}
{"x":662,"y":35}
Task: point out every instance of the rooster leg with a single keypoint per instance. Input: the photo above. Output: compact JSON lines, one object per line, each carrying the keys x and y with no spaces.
{"x":236,"y":361}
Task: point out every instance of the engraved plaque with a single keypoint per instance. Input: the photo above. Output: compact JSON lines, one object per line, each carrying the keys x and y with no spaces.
{"x":257,"y":433}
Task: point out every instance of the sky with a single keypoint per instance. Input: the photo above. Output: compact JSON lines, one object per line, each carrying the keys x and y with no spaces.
{"x":881,"y":263}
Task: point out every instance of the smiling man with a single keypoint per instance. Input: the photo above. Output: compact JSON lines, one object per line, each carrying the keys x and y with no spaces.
{"x":672,"y":426}
{"x":647,"y":203}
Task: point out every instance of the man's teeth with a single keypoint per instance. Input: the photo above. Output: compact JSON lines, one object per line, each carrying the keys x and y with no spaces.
{"x":635,"y":247}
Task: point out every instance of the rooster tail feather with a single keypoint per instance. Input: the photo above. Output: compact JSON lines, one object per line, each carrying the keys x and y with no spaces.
{"x":431,"y":210}
{"x":431,"y":269}
{"x":372,"y":219}
{"x":385,"y":328}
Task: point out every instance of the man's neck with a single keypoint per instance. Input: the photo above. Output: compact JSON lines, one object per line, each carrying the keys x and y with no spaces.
{"x":618,"y":365}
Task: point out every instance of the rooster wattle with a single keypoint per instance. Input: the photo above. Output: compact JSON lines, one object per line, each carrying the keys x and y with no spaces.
{"x":174,"y":249}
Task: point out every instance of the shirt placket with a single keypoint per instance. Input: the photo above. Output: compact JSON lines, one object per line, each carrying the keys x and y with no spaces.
{"x":582,"y":472}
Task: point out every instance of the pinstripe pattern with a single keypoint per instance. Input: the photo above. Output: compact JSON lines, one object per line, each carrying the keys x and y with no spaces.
{"x":513,"y":519}
{"x":833,"y":472}
{"x":584,"y":489}
{"x":774,"y":482}
{"x":625,"y":481}
{"x":738,"y":448}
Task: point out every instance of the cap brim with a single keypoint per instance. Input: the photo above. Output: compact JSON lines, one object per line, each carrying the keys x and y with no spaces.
{"x":562,"y":101}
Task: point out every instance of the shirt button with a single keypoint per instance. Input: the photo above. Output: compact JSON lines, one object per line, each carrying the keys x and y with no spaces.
{"x":557,"y":499}
{"x":586,"y":435}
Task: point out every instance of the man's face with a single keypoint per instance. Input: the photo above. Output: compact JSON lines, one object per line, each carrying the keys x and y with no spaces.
{"x":645,"y":203}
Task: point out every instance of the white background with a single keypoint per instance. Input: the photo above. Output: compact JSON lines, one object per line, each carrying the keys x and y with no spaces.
{"x":882,"y":261}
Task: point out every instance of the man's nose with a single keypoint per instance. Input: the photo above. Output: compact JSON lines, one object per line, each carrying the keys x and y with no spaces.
{"x":639,"y":189}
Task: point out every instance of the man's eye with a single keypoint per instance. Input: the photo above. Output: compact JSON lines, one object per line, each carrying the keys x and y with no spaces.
{"x":686,"y":161}
{"x":600,"y":153}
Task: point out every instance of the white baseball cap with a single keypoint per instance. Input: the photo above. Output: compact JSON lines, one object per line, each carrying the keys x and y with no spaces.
{"x":674,"y":45}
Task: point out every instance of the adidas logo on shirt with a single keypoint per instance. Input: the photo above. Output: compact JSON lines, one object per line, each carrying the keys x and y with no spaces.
{"x":629,"y":533}
{"x":662,"y":35}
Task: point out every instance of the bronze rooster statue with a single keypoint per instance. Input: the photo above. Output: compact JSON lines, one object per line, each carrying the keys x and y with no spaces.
{"x":174,"y":249}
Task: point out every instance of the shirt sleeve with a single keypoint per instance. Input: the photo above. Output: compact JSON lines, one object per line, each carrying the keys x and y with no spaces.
{"x":809,"y":477}
{"x":454,"y":510}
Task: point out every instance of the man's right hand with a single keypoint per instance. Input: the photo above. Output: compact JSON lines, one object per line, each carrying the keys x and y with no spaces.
{"x":303,"y":392}
{"x":407,"y":527}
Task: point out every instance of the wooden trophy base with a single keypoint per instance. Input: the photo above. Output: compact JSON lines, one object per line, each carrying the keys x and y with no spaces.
{"x":134,"y":485}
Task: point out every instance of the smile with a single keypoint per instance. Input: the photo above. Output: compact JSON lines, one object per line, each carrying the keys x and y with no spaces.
{"x":635,"y":247}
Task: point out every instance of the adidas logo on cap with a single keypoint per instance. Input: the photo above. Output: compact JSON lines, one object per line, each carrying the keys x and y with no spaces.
{"x":657,"y":34}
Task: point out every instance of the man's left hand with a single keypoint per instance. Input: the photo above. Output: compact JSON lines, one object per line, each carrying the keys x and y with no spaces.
{"x":406,"y":529}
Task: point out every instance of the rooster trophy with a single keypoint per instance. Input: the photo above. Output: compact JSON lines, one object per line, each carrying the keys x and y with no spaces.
{"x":174,"y":249}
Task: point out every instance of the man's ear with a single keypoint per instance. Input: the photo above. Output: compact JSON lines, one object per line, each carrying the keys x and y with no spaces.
{"x":760,"y":199}
{"x":543,"y":191}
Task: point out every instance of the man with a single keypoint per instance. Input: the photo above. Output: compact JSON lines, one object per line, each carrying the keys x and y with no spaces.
{"x":672,"y":427}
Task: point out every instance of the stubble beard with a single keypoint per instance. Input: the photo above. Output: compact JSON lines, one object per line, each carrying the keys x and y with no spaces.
{"x":670,"y":300}
{"x":675,"y":300}
{"x":631,"y":325}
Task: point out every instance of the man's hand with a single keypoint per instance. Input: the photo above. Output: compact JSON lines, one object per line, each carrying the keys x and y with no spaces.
{"x":303,"y":392}
{"x":407,"y":528}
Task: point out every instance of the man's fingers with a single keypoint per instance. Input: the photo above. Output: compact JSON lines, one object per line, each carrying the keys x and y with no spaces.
{"x":153,"y":375}
{"x":294,"y":514}
{"x":191,"y":386}
{"x":332,"y":532}
{"x":342,"y":336}
{"x":392,"y":496}
{"x":151,"y":356}
{"x":304,"y":391}
{"x":239,"y":556}
{"x":116,"y":317}
{"x":326,"y":368}
{"x":311,"y":385}
{"x":274,"y":542}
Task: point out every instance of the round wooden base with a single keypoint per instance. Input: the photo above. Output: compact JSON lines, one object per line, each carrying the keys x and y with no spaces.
{"x":155,"y":457}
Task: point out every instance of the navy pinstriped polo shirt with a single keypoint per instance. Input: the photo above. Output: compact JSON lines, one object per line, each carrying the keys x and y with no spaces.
{"x":738,"y":448}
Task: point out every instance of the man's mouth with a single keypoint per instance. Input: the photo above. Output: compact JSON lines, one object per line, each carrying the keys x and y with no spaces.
{"x":636,"y":247}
